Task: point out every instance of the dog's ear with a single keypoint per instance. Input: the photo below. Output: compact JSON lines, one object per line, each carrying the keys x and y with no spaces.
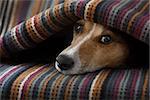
{"x":138,"y":50}
{"x":139,"y":53}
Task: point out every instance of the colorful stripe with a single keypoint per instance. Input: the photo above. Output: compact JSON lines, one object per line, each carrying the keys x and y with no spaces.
{"x":130,"y":16}
{"x":45,"y":82}
{"x":39,"y":20}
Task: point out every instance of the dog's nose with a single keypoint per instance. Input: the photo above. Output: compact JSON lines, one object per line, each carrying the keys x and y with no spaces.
{"x":64,"y":62}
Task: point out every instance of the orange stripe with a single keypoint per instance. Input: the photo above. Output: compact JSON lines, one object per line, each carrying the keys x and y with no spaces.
{"x":30,"y":83}
{"x":32,"y":34}
{"x":97,"y":87}
{"x":145,"y":86}
{"x":39,"y":26}
{"x":49,"y":21}
{"x":94,"y":8}
{"x":91,"y":11}
{"x":103,"y":79}
{"x":68,"y":88}
{"x":16,"y":85}
{"x":60,"y":18}
{"x":56,"y":87}
{"x":41,"y":94}
{"x":67,"y":4}
{"x":134,"y":16}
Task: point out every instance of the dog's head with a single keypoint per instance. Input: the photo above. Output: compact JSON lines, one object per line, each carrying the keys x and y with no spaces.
{"x":93,"y":47}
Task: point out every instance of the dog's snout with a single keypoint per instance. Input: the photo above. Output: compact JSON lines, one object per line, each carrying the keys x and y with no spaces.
{"x":64,"y":62}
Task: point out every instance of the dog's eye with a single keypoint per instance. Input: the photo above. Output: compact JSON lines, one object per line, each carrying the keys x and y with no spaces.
{"x":78,"y":28}
{"x":105,"y":39}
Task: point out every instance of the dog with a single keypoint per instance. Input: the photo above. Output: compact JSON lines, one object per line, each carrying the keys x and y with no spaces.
{"x":96,"y":46}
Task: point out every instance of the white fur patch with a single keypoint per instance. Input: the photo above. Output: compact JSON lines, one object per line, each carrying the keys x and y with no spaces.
{"x":56,"y":66}
{"x":74,"y":54}
{"x":77,"y":47}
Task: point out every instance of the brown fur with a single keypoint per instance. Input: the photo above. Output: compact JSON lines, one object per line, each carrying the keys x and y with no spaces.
{"x":89,"y":54}
{"x":95,"y":54}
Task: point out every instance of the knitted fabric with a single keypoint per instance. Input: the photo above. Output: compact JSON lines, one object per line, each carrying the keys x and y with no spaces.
{"x":32,"y":81}
{"x":130,"y":16}
{"x":42,"y":82}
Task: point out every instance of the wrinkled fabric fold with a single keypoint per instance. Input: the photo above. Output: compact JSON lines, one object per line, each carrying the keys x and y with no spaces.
{"x":128,"y":16}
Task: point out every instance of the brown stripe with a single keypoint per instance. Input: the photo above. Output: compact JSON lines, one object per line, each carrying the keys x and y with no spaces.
{"x":91,"y":9}
{"x":68,"y":88}
{"x":32,"y":80}
{"x":145,"y":86}
{"x":98,"y":84}
{"x":67,"y":5}
{"x":50,"y":23}
{"x":39,"y":26}
{"x":41,"y":94}
{"x":16,"y":85}
{"x":57,"y":14}
{"x":31,"y":32}
{"x":56,"y":87}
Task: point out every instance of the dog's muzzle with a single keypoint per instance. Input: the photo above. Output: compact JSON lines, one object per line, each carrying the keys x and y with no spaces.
{"x":63,"y":62}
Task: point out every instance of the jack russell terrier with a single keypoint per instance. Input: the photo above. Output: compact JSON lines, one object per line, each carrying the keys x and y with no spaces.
{"x":94,"y":47}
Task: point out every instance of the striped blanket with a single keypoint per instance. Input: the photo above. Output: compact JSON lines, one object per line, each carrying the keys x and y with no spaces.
{"x":42,"y":82}
{"x":27,"y":23}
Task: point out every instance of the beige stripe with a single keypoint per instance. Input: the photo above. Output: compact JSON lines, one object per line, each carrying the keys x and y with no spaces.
{"x":97,"y":85}
{"x":16,"y":85}
{"x":40,"y":26}
{"x":34,"y":28}
{"x":56,"y":87}
{"x":25,"y":79}
{"x":68,"y":88}
{"x":44,"y":86}
{"x":57,"y":14}
{"x":30,"y":31}
{"x":49,"y":21}
{"x":145,"y":86}
{"x":16,"y":39}
{"x":67,"y":4}
{"x":90,"y":9}
{"x":32,"y":80}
